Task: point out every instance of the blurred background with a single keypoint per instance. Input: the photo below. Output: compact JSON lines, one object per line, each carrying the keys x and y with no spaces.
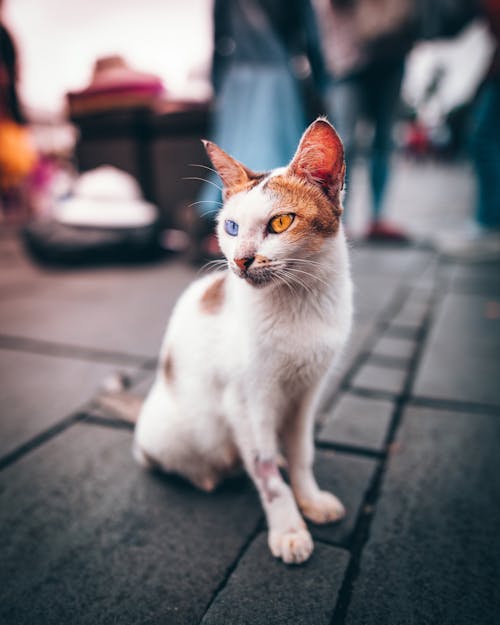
{"x":103,"y":105}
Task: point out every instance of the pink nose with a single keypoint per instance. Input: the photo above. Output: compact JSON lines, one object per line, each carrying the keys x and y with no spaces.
{"x":244,"y":263}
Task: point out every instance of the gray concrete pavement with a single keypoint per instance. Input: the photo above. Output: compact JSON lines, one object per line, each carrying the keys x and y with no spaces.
{"x":408,"y":439}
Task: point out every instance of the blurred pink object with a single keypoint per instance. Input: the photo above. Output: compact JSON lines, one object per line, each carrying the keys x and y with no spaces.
{"x":115,"y":85}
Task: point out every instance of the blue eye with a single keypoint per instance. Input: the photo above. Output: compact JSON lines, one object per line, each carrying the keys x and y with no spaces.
{"x":231,"y":227}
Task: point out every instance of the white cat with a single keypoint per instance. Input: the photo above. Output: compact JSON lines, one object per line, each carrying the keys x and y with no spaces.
{"x":247,"y":349}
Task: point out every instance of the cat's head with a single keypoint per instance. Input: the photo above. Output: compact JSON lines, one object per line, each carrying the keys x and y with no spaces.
{"x":274,"y":223}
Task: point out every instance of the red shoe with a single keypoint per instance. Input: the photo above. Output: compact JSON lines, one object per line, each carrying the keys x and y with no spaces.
{"x":385,"y":231}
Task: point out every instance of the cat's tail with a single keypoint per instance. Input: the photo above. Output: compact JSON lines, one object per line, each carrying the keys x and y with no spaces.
{"x":115,"y":401}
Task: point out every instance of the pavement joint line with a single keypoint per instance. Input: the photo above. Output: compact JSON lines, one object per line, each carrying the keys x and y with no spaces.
{"x":41,"y":438}
{"x":392,"y":308}
{"x":81,"y":415}
{"x":259,"y":527}
{"x":453,"y":405}
{"x":402,"y":294}
{"x":107,"y":422}
{"x":361,"y":532}
{"x":371,"y":393}
{"x":61,"y":350}
{"x":387,"y":362}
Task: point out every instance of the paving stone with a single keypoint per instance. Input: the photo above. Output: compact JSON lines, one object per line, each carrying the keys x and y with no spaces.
{"x":427,"y":279}
{"x":460,"y":361}
{"x":262,"y":590}
{"x":430,"y":198}
{"x":405,"y":332}
{"x":382,"y":379}
{"x":372,"y":297}
{"x":16,"y":271}
{"x":88,"y":537}
{"x":358,"y":422}
{"x":420,"y":294}
{"x":433,"y":556}
{"x":348,"y":476}
{"x":388,"y":261}
{"x":412,"y":314}
{"x":394,"y":347}
{"x":480,"y":279}
{"x":38,"y":391}
{"x":120,"y":309}
{"x":360,"y":334}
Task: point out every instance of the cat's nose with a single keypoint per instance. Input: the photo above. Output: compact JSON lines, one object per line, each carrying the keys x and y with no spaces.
{"x":244,"y":262}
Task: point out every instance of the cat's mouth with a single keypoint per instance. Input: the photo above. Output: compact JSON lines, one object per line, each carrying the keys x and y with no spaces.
{"x":255,"y":277}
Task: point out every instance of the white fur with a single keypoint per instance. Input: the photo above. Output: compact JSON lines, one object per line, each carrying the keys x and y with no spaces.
{"x":246,"y":379}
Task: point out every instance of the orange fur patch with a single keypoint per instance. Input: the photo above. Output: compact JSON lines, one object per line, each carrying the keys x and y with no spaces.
{"x":168,"y":369}
{"x":213,"y":298}
{"x":245,"y":186}
{"x":317,"y":217}
{"x":261,"y":260}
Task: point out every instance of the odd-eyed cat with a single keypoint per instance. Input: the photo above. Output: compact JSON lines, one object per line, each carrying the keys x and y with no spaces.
{"x":247,"y":349}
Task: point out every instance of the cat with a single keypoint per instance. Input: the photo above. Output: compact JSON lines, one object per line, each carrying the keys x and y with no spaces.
{"x":247,"y":349}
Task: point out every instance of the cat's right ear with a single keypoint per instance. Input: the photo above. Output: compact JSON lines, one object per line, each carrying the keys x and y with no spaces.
{"x":232,"y":172}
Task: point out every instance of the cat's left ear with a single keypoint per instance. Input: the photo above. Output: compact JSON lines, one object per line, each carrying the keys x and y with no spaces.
{"x":320,"y":158}
{"x":233,"y":173}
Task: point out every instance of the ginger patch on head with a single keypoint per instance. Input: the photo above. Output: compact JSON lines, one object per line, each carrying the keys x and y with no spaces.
{"x":243,"y":187}
{"x":316,"y":217}
{"x":213,"y":298}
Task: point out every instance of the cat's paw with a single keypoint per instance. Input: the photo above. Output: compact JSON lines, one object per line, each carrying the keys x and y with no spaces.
{"x":293,"y":546}
{"x":322,"y":508}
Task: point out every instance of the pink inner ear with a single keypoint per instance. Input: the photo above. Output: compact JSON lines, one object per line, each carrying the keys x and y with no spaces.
{"x":320,"y":155}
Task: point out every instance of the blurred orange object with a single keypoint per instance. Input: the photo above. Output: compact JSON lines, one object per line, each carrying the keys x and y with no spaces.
{"x":18,"y":156}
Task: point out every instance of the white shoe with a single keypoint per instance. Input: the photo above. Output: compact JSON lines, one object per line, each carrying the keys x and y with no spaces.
{"x":474,"y":243}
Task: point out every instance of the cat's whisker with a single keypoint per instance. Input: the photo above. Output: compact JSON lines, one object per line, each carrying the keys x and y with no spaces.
{"x":205,"y":202}
{"x":213,"y":265}
{"x":307,"y":273}
{"x":204,"y":167}
{"x":306,"y":261}
{"x":208,"y":212}
{"x":283,"y":280}
{"x":203,"y":180}
{"x":295,"y":279}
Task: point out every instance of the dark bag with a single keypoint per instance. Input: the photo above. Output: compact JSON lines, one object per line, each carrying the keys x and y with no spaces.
{"x":55,"y":243}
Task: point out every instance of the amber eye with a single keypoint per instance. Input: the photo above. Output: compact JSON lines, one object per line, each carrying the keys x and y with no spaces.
{"x":280,"y":223}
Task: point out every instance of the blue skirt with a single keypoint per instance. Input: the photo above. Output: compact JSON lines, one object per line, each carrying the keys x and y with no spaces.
{"x":259,"y":119}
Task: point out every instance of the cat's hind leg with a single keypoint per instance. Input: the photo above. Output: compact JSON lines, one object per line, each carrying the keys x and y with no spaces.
{"x":184,"y":440}
{"x":202,"y":475}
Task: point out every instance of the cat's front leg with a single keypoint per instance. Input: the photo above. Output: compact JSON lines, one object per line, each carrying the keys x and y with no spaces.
{"x":288,"y":537}
{"x":317,"y":505}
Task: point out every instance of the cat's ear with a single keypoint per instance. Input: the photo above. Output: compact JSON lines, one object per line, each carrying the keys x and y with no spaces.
{"x":320,"y":157}
{"x":232,"y":172}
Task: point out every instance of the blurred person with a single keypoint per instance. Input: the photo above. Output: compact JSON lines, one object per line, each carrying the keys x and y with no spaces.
{"x":480,"y":239}
{"x":262,"y":50}
{"x":365,"y":43}
{"x":18,"y":157}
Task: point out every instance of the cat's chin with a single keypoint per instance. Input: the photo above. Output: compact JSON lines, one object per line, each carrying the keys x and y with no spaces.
{"x":257,"y":280}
